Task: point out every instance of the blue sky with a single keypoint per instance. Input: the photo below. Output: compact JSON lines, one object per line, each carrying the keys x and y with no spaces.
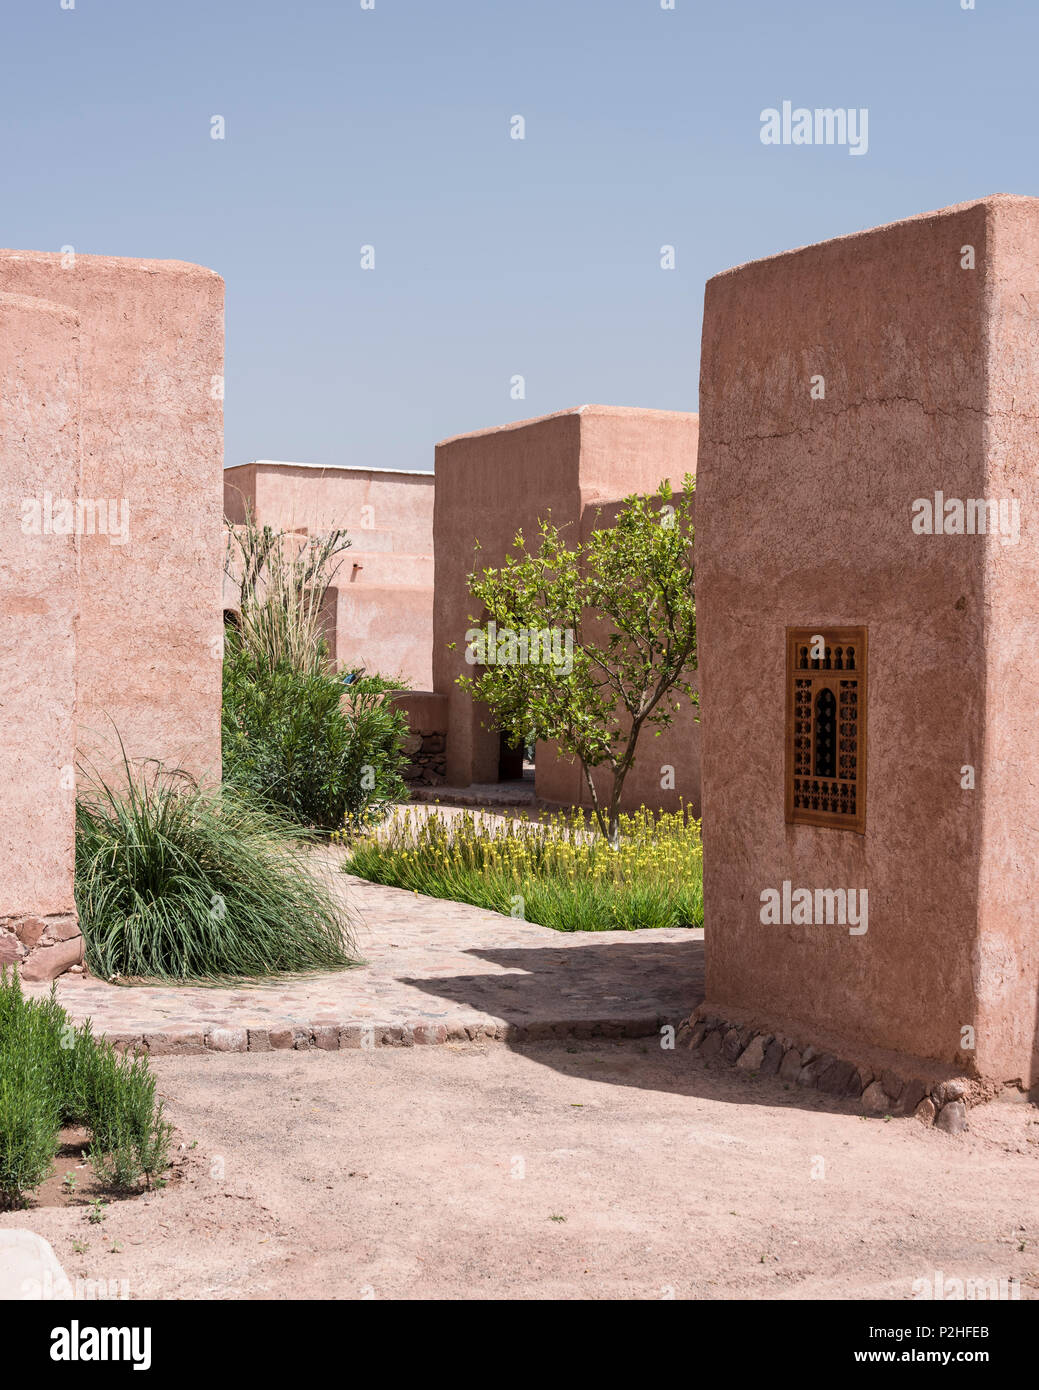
{"x":493,"y":257}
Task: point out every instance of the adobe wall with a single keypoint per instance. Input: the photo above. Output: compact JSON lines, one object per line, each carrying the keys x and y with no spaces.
{"x":383,"y":509}
{"x":152,"y":442}
{"x":239,"y":482}
{"x":1005,"y":959}
{"x":386,"y":629}
{"x":380,"y":606}
{"x":805,"y":510}
{"x":489,"y":485}
{"x":492,"y":483}
{"x":39,"y":603}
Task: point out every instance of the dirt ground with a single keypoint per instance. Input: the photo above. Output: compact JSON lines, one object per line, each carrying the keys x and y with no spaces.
{"x":554,"y":1171}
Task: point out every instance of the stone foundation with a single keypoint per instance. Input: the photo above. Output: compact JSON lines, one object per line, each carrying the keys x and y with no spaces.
{"x":41,"y":947}
{"x":427,"y":751}
{"x":933,"y":1099}
{"x":426,"y":744}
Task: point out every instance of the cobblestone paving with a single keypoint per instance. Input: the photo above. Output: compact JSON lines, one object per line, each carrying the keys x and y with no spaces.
{"x":434,"y":972}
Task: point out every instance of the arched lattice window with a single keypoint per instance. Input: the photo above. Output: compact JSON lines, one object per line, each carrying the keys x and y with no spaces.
{"x":826,"y":727}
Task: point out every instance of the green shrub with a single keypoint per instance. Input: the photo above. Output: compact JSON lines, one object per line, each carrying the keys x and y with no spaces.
{"x":374,"y":684}
{"x":298,"y":741}
{"x":129,"y":1136}
{"x":77,"y":1063}
{"x":561,"y":874}
{"x":53,"y":1073}
{"x":28,"y":1131}
{"x":296,"y":736}
{"x":177,"y":883}
{"x":30,"y":1098}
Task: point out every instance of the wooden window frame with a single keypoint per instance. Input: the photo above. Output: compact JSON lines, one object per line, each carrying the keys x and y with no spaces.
{"x":811,"y":680}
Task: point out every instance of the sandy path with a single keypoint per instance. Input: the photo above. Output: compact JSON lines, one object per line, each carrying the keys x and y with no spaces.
{"x":391,"y":1174}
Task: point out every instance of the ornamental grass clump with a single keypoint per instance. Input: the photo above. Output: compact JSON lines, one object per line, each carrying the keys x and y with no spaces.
{"x":30,"y":1093}
{"x":283,"y":579}
{"x":560,"y":873}
{"x":54,"y":1073}
{"x":174,"y":882}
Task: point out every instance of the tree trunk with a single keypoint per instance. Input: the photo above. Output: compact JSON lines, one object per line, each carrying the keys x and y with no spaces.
{"x":614,"y":832}
{"x":596,"y":808}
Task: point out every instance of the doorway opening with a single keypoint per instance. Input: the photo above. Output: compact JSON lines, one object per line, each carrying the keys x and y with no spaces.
{"x":515,"y":762}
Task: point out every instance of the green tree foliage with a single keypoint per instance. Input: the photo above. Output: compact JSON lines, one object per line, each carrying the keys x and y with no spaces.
{"x":624,"y":599}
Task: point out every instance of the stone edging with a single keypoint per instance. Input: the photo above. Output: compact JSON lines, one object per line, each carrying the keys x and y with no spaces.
{"x":333,"y":1037}
{"x":943,"y":1104}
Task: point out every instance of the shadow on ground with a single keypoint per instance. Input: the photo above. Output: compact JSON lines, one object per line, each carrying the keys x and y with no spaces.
{"x":583,"y":1000}
{"x":603,"y":986}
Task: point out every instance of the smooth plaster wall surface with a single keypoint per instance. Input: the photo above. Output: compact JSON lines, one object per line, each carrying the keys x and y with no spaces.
{"x":380,"y":509}
{"x":39,"y":445}
{"x":1006,"y":955}
{"x":805,"y":509}
{"x":380,"y":606}
{"x":152,"y":436}
{"x":489,"y":485}
{"x":386,"y":629}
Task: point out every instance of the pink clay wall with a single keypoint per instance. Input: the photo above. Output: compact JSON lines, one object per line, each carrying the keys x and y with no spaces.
{"x":384,"y":629}
{"x":296,"y":496}
{"x":494,"y":482}
{"x":1005,"y":959}
{"x":805,"y":509}
{"x":489,"y":485}
{"x":380,"y":607}
{"x":151,"y":433}
{"x":39,"y":601}
{"x":424,"y":709}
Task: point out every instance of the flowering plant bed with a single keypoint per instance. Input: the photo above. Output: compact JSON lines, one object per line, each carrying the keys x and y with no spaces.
{"x":559,"y":873}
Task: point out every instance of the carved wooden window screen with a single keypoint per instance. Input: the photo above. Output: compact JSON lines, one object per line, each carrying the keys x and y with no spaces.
{"x":826,"y":727}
